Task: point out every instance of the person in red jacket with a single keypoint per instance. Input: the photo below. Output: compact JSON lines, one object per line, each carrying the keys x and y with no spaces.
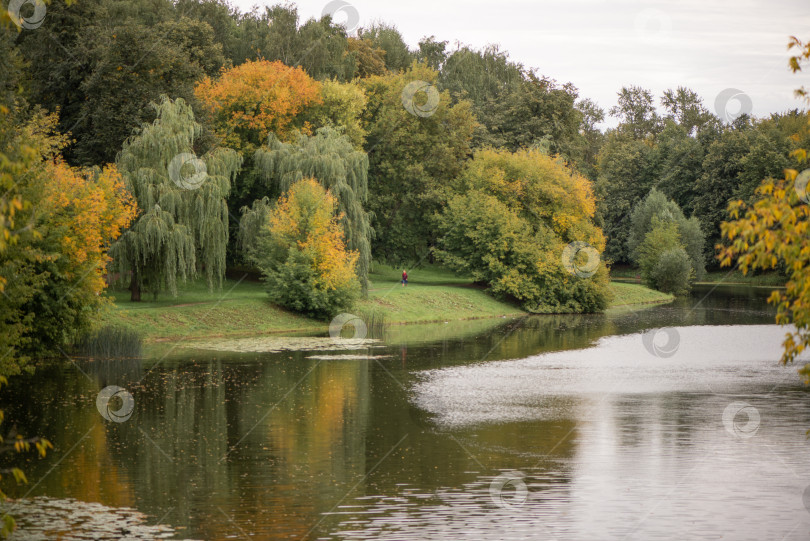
{"x":404,"y":278}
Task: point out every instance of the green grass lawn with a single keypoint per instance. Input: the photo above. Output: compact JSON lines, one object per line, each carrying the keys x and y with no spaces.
{"x":737,"y":277}
{"x":241,"y":307}
{"x":632,"y":294}
{"x":726,"y":276}
{"x":432,"y":294}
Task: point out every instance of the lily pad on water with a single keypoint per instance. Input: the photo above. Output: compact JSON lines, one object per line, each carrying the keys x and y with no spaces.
{"x":273,"y":344}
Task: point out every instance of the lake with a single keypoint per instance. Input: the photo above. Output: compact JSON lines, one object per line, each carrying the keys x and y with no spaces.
{"x":546,"y":427}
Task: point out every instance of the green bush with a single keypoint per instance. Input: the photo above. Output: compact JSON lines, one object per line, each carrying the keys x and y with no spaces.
{"x":672,"y":272}
{"x":690,"y":235}
{"x":665,"y":263}
{"x":293,"y":283}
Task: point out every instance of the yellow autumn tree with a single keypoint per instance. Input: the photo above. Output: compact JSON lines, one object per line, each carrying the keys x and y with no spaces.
{"x":54,"y":270}
{"x":522,"y":223}
{"x":774,"y":233}
{"x":88,"y":210}
{"x":302,"y":255}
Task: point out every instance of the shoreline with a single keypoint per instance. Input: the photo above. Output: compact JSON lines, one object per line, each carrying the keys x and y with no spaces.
{"x":244,"y":311}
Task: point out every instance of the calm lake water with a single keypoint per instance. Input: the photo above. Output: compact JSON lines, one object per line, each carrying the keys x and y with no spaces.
{"x":552,"y":427}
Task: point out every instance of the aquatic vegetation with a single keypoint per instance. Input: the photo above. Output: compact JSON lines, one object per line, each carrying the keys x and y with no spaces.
{"x":273,"y":344}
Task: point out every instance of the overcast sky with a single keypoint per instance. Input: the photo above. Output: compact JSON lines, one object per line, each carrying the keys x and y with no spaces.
{"x":601,"y":45}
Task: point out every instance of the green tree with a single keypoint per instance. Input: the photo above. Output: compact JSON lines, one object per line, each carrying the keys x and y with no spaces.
{"x":111,"y":61}
{"x":412,"y":159}
{"x":626,"y":174}
{"x":432,"y":53}
{"x":387,"y":38}
{"x":223,"y":20}
{"x":686,"y":108}
{"x":480,"y":75}
{"x":664,"y":263}
{"x":319,"y":46}
{"x":537,"y":113}
{"x":55,"y":73}
{"x":636,"y":112}
{"x":679,"y":158}
{"x":592,"y":137}
{"x":656,"y":208}
{"x":734,"y":165}
{"x":183,"y":227}
{"x":325,"y":50}
{"x":271,"y":34}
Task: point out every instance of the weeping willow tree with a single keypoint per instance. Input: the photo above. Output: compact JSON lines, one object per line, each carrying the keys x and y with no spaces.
{"x":330,"y":158}
{"x":183,"y":227}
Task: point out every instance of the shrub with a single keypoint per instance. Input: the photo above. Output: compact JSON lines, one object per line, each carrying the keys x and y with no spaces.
{"x":665,"y":263}
{"x":672,"y":272}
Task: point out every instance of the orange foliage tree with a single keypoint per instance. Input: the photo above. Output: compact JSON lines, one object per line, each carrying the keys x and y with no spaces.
{"x":256,"y":98}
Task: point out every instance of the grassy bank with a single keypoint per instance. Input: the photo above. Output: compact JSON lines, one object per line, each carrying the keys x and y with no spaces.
{"x":731,"y":277}
{"x":241,"y":308}
{"x":737,"y":277}
{"x":634,"y":294}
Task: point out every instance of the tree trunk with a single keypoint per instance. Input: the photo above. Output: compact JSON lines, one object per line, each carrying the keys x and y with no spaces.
{"x":134,"y":288}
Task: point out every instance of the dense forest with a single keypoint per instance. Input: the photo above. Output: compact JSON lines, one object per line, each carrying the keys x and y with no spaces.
{"x":153,"y":142}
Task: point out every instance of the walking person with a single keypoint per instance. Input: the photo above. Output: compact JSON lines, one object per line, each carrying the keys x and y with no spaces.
{"x":404,"y":278}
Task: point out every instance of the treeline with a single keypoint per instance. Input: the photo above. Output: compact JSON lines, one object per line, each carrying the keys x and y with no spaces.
{"x":696,"y":159}
{"x":101,"y":62}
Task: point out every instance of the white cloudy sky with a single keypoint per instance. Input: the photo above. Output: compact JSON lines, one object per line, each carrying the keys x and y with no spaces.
{"x":601,"y":45}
